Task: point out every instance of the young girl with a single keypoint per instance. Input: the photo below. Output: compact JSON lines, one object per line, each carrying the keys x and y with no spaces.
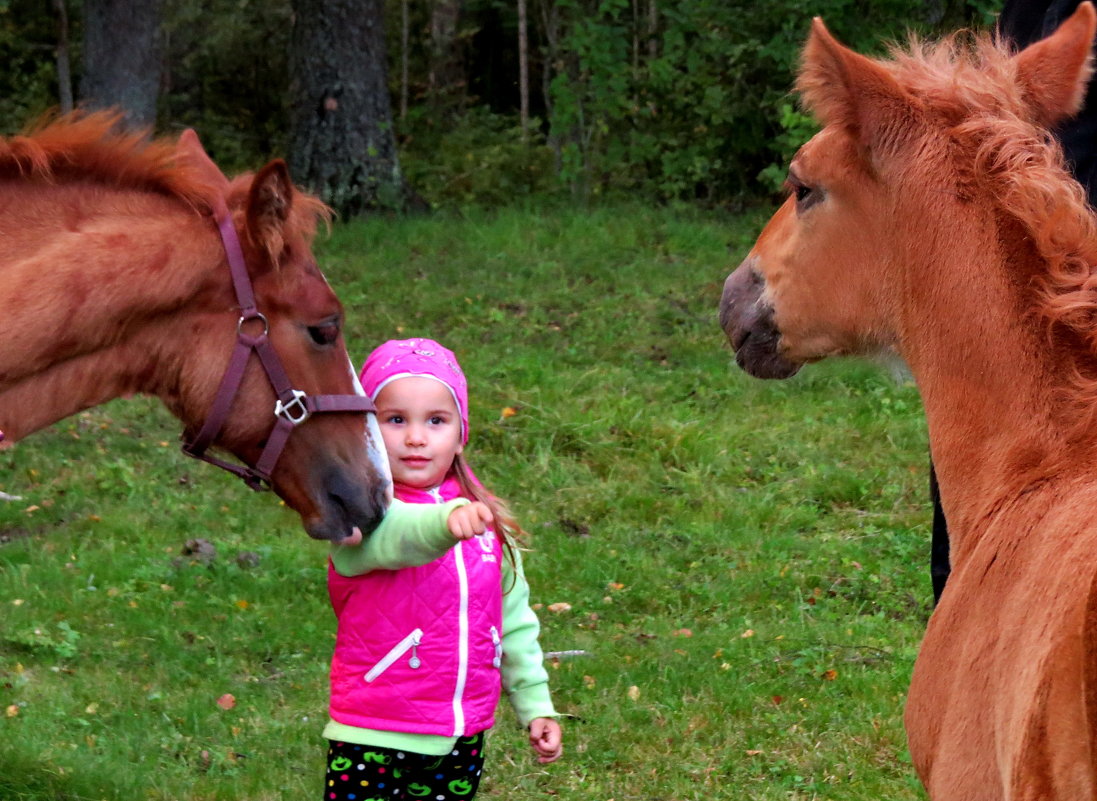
{"x":433,"y":611}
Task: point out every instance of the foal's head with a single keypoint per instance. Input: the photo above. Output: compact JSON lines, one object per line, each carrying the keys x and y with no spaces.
{"x":919,"y":161}
{"x":333,"y":470}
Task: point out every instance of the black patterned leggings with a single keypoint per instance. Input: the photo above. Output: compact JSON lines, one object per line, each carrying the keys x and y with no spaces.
{"x":369,"y":773}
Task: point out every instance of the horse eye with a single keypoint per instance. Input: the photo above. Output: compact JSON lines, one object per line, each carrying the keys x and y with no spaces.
{"x":806,"y":196}
{"x":324,"y":334}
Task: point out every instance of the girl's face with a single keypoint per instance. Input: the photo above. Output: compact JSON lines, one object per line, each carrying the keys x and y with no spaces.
{"x":422,"y":430}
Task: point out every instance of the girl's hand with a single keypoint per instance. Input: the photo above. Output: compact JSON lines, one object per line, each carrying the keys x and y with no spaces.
{"x":465,"y":522}
{"x":546,"y":738}
{"x":355,"y":538}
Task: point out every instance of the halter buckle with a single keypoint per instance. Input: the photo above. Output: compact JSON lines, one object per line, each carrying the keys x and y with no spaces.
{"x":295,"y":411}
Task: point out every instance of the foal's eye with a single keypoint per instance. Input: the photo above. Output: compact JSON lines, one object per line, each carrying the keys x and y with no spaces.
{"x":806,"y":195}
{"x":324,"y":334}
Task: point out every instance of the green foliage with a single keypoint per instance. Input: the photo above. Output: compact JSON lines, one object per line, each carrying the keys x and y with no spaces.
{"x":28,"y":82}
{"x":227,"y":77}
{"x":748,"y":555}
{"x":711,"y":110}
{"x":691,"y":102}
{"x":478,"y":159}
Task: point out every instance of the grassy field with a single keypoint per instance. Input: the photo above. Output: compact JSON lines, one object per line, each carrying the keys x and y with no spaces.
{"x":745,"y":561}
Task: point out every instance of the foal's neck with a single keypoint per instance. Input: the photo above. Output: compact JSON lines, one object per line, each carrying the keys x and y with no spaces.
{"x":83,"y":288}
{"x":989,"y":385}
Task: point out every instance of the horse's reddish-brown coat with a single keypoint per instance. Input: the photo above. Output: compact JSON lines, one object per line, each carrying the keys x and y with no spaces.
{"x":952,"y":232}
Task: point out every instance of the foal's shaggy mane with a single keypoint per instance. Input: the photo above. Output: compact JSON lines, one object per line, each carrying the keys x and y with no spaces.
{"x":93,"y":147}
{"x":969,"y":82}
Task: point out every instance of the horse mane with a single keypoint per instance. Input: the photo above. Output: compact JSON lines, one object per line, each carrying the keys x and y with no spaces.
{"x":969,"y":81}
{"x":93,"y":146}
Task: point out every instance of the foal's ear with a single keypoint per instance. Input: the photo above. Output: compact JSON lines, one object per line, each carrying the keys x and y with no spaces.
{"x":1054,"y":72}
{"x":190,"y":154}
{"x":844,"y":88}
{"x":269,"y":202}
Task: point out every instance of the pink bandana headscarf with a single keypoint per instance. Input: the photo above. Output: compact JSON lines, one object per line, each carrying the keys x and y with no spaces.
{"x":399,"y":358}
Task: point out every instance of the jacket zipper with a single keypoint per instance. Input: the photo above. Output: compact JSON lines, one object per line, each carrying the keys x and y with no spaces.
{"x":411,"y":642}
{"x":497,"y":662}
{"x":463,"y":631}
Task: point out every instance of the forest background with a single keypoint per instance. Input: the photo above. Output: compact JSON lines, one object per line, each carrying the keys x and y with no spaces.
{"x":488,"y":101}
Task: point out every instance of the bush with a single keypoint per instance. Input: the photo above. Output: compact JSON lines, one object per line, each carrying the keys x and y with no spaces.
{"x":480,"y":159}
{"x":701,"y":107}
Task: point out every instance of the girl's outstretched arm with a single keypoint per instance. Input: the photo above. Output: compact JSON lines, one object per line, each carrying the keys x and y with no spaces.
{"x":410,"y":534}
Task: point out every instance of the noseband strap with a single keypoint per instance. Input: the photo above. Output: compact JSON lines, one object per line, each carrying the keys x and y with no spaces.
{"x":292,"y":406}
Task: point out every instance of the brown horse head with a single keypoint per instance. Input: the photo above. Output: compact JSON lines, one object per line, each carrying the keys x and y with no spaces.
{"x":115,"y":280}
{"x":894,"y":185}
{"x":320,"y":473}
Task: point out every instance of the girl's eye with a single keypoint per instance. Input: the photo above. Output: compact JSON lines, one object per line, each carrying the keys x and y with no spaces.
{"x":437,"y":421}
{"x":324,"y":334}
{"x":395,"y":419}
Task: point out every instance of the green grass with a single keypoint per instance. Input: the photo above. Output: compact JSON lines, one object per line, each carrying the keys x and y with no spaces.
{"x":749,"y":556}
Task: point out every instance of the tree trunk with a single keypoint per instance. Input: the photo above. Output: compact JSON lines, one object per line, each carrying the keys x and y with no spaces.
{"x":653,"y":30}
{"x":122,"y":58}
{"x":447,"y":75}
{"x":523,"y":68}
{"x":404,"y":40}
{"x":343,"y":146}
{"x":64,"y":63}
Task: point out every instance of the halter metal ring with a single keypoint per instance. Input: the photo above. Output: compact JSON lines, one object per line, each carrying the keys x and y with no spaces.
{"x":248,"y":319}
{"x":295,"y":411}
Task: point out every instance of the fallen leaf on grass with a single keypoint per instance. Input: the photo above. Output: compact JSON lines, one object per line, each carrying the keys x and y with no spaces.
{"x":683,"y":633}
{"x":561,"y":606}
{"x":634,"y":693}
{"x":754,"y":752}
{"x":11,"y":711}
{"x":227,"y":701}
{"x":830,"y":675}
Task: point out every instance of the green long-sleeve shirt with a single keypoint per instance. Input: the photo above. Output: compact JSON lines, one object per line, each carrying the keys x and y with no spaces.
{"x":416,"y":534}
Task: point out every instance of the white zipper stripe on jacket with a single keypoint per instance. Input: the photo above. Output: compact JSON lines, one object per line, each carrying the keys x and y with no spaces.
{"x":463,"y":632}
{"x":395,"y":653}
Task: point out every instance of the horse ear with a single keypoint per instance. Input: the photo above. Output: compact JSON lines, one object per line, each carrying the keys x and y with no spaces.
{"x":1054,"y":72}
{"x":844,"y":88}
{"x":190,"y":153}
{"x":269,"y":203}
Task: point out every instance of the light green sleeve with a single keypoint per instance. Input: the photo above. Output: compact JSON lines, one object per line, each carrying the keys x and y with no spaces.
{"x":410,"y":534}
{"x":524,"y":676}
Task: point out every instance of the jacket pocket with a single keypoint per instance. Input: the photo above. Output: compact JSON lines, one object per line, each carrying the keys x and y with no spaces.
{"x":409,"y":643}
{"x":497,"y":641}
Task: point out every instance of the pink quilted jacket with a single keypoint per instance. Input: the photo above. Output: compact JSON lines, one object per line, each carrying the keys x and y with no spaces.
{"x":419,"y":649}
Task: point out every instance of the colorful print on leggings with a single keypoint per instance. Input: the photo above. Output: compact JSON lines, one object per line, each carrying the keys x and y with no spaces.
{"x":369,"y":773}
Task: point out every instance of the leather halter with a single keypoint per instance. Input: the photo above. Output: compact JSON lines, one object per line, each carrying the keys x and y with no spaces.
{"x":292,"y":407}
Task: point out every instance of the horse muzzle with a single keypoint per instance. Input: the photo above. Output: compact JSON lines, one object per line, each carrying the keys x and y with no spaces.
{"x":347,"y":505}
{"x":341,"y":489}
{"x":747,"y":319}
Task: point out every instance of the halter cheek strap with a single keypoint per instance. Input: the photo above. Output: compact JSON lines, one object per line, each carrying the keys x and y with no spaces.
{"x":292,"y":406}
